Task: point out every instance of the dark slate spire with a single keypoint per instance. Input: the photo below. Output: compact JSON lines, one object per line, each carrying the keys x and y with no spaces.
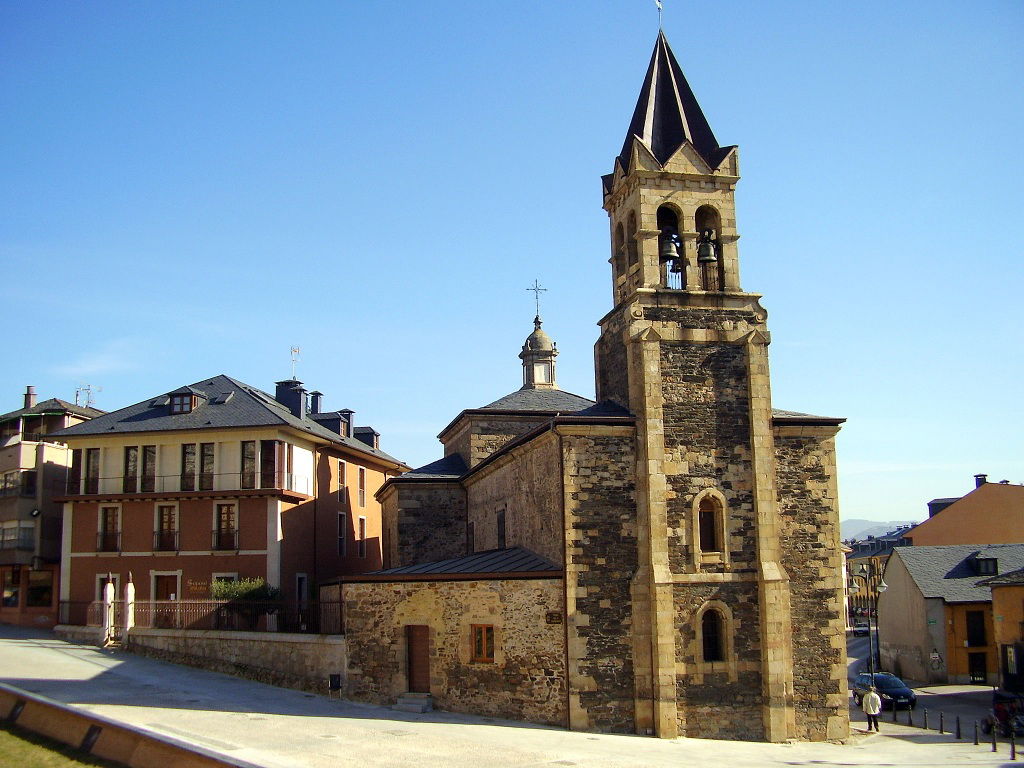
{"x":667,"y":114}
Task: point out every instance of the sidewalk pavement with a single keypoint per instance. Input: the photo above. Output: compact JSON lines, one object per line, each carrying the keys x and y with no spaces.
{"x":282,"y":728}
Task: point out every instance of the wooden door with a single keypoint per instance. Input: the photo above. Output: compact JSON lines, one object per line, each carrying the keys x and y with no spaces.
{"x":418,"y":641}
{"x":977,"y":667}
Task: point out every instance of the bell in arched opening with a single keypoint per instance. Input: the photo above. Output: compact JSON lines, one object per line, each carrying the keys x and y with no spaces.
{"x":670,"y":248}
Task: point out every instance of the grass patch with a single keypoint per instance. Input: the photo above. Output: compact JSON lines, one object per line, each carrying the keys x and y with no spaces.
{"x":25,"y":749}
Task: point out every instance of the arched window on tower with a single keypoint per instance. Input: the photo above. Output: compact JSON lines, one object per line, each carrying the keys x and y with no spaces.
{"x":712,"y":632}
{"x":709,"y":261}
{"x":619,"y":257}
{"x":631,"y":246}
{"x":670,"y":248}
{"x":709,"y":514}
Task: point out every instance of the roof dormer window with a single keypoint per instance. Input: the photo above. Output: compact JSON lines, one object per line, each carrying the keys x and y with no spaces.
{"x":986,"y":566}
{"x":182,"y":403}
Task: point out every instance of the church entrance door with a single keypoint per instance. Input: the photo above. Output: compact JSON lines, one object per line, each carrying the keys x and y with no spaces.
{"x":418,"y":641}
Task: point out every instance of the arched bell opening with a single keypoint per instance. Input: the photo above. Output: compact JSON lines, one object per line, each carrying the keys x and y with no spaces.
{"x":709,"y":250}
{"x":631,"y":244}
{"x":670,"y":248}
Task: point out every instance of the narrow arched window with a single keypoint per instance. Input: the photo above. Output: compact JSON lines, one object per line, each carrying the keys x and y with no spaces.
{"x":711,"y":630}
{"x":631,"y":247}
{"x":620,"y":251}
{"x":708,"y":526}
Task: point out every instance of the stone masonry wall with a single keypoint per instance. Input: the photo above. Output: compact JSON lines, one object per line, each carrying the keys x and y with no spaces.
{"x":600,"y":522}
{"x":293,"y":661}
{"x":425,"y":522}
{"x":707,"y":438}
{"x":527,"y":679}
{"x":528,"y":490}
{"x":809,"y":516}
{"x":612,"y":369}
{"x":490,"y":434}
{"x":720,"y":700}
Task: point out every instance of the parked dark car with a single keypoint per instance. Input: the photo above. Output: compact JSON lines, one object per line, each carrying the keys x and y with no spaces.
{"x":861,"y":628}
{"x":894,"y":692}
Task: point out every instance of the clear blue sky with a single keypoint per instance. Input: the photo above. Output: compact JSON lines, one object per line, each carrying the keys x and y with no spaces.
{"x":191,"y":188}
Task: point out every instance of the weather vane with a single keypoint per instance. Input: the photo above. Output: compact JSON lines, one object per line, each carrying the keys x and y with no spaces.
{"x":295,"y":358}
{"x":537,"y":290}
{"x":658,"y":3}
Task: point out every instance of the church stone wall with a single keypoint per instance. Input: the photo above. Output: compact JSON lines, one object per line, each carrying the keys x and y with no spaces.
{"x":424,"y":522}
{"x":526,"y":488}
{"x":601,"y":532}
{"x":706,"y":414}
{"x":612,"y":367}
{"x":809,"y":533}
{"x":526,"y":680}
{"x":719,"y":700}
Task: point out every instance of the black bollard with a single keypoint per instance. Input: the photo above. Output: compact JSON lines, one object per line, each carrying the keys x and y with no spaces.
{"x":975,"y":733}
{"x":958,"y":727}
{"x":926,"y":719}
{"x":995,"y":727}
{"x":894,"y":711}
{"x":1013,"y":744}
{"x":910,"y":716}
{"x":942,"y":723}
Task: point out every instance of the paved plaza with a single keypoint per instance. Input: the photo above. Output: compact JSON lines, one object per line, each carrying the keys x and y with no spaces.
{"x":277,"y":727}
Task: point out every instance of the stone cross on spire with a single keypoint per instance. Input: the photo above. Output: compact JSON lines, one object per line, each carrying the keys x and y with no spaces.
{"x":537,"y":291}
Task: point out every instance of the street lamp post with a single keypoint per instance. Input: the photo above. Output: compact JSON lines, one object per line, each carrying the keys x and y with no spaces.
{"x":865,"y":574}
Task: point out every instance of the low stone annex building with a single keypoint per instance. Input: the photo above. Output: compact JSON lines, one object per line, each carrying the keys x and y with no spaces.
{"x":665,"y":560}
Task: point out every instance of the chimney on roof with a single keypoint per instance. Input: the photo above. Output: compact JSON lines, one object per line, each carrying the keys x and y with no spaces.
{"x":316,"y":401}
{"x":292,"y":395}
{"x":30,"y":397}
{"x":980,"y":480}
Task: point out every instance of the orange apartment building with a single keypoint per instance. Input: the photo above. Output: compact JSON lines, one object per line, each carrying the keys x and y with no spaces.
{"x":33,"y":471}
{"x":219,"y":480}
{"x":992,"y":513}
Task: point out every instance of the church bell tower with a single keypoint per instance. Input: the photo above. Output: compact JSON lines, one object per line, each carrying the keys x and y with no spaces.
{"x":685,"y":350}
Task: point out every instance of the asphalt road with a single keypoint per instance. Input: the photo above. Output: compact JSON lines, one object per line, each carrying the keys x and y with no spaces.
{"x":970,"y":702}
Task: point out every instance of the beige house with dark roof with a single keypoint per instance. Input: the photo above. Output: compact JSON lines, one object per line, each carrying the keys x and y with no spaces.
{"x":33,"y":470}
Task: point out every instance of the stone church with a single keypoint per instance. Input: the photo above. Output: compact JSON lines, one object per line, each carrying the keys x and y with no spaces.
{"x":662,"y":561}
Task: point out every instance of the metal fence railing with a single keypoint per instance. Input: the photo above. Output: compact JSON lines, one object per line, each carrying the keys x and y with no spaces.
{"x":240,"y":615}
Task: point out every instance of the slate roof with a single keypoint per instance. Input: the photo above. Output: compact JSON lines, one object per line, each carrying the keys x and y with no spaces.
{"x":450,"y":467}
{"x":224,"y":402}
{"x":1013,"y":578}
{"x":667,"y":113}
{"x":554,"y":400}
{"x":53,"y":405}
{"x":947,"y":571}
{"x":516,"y":560}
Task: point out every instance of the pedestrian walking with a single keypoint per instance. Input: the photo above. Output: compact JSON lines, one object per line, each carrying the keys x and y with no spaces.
{"x":872,"y":705}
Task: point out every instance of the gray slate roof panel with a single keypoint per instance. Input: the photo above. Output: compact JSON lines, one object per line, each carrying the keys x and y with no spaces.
{"x":555,"y":400}
{"x":249,"y":407}
{"x":450,"y":467}
{"x":50,"y":406}
{"x":511,"y":560}
{"x":946,"y":571}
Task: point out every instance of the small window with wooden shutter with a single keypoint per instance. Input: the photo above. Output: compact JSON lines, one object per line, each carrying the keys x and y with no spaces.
{"x":482,"y":636}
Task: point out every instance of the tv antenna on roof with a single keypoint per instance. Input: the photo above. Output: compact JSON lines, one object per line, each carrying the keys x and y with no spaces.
{"x":87,"y":390}
{"x":295,"y":358}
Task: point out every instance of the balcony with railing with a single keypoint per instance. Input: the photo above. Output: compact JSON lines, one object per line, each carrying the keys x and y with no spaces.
{"x":196,"y":482}
{"x":23,"y":539}
{"x":225,"y":539}
{"x":108,"y":541}
{"x":165,"y":541}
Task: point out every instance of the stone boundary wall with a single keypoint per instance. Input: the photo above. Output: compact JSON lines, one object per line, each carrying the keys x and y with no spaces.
{"x":296,"y":661}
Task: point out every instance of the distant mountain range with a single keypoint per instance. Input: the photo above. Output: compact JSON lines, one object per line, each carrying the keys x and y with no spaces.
{"x":861,"y":529}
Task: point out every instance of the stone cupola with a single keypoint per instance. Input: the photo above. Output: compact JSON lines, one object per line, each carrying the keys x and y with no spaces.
{"x":538,"y":356}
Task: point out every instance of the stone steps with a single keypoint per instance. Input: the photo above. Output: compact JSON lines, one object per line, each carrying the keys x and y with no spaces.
{"x":414,"y":702}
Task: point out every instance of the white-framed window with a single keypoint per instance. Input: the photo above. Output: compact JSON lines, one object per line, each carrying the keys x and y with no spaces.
{"x":108,"y":528}
{"x":361,"y":543}
{"x":362,"y":486}
{"x":165,"y":585}
{"x":181,"y":403}
{"x":342,"y":534}
{"x":214,"y":577}
{"x":165,"y":527}
{"x":342,"y":486}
